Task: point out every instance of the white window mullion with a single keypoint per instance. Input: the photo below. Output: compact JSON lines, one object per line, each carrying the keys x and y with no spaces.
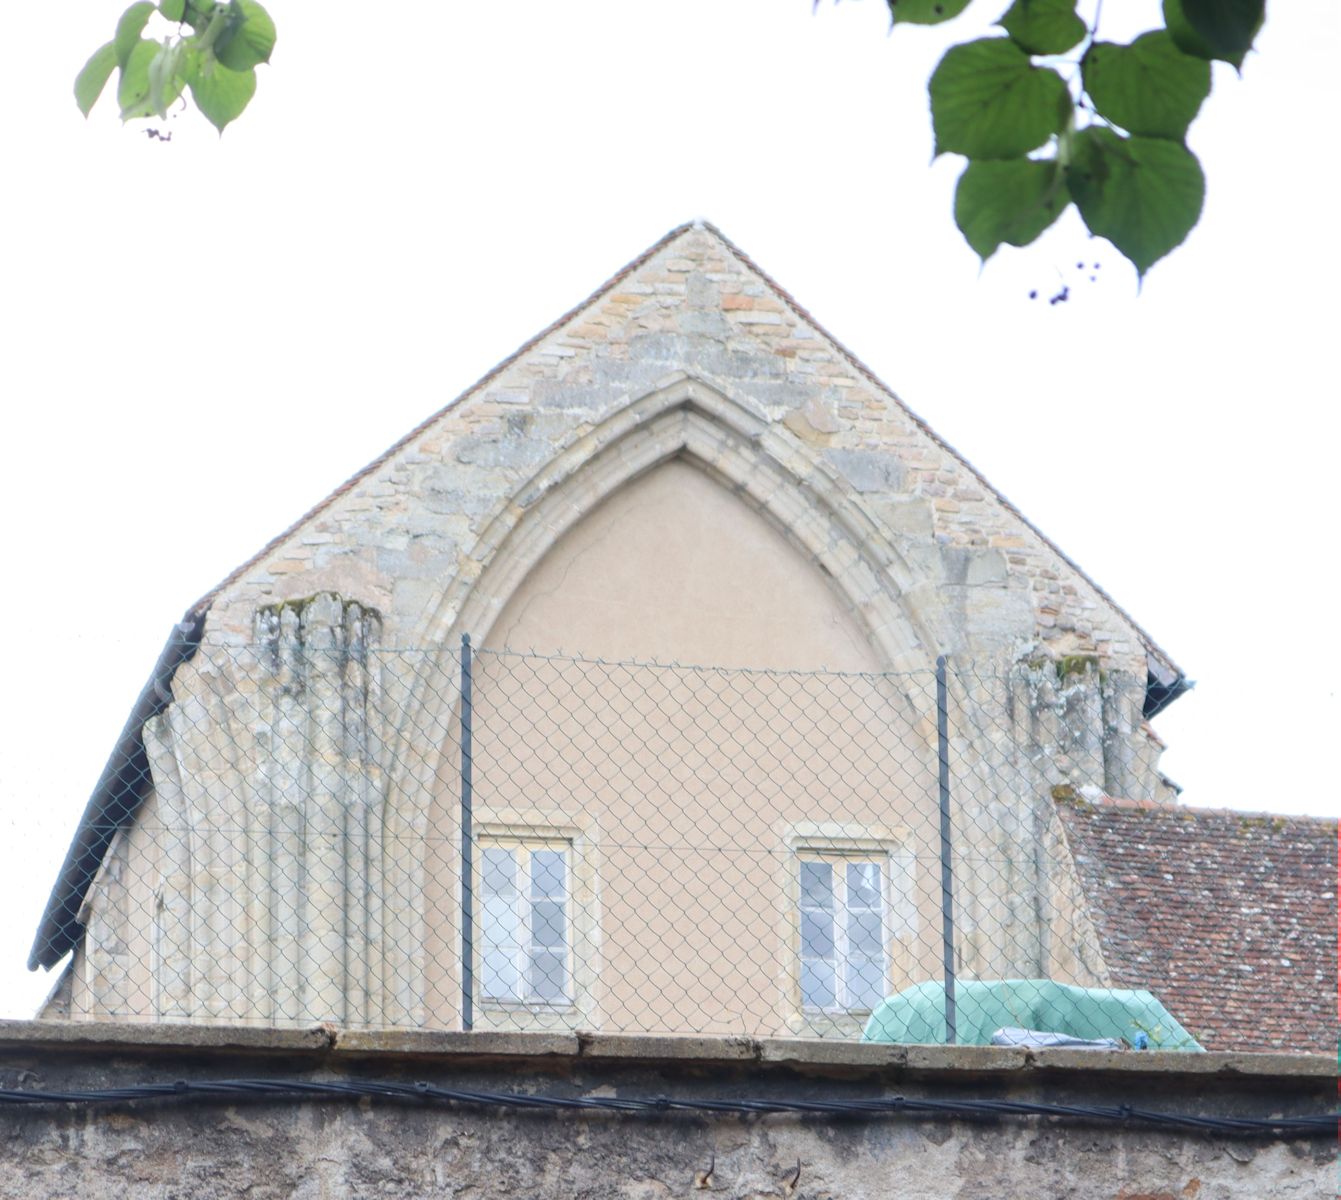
{"x":523,"y":954}
{"x":841,"y":918}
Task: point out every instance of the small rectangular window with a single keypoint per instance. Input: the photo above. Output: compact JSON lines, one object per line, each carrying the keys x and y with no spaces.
{"x":844,"y":962}
{"x":525,"y":930}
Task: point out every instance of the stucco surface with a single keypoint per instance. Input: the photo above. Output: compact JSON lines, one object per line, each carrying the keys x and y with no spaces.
{"x":675,"y":568}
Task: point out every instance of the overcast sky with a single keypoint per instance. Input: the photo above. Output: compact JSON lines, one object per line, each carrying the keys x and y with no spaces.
{"x":202,"y":338}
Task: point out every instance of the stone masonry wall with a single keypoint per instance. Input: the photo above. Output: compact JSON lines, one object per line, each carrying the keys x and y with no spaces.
{"x":295,"y":781}
{"x":430,"y":512}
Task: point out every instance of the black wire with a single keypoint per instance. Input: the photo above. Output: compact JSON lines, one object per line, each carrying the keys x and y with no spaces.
{"x":299,"y":1089}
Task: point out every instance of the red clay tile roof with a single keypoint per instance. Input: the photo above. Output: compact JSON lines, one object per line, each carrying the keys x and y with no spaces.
{"x":1230,"y":918}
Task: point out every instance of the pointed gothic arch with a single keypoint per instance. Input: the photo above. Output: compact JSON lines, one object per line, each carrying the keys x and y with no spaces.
{"x":687,"y":419}
{"x":772,"y":472}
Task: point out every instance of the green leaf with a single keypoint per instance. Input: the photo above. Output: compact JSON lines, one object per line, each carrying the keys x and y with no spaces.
{"x":925,"y":12}
{"x":1188,"y":40}
{"x":1143,"y":194}
{"x":1184,"y":36}
{"x":249,"y":37}
{"x":93,"y":78}
{"x":132,"y":91}
{"x":198,"y":13}
{"x":1043,"y":26}
{"x":220,"y":93}
{"x":1150,"y":88}
{"x":989,"y":101}
{"x":173,"y":10}
{"x":1227,"y":27}
{"x":1010,"y":202}
{"x":150,"y":80}
{"x":165,"y":77}
{"x":129,"y":28}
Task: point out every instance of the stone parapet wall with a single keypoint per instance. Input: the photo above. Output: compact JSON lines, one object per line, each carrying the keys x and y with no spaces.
{"x":267,"y":1148}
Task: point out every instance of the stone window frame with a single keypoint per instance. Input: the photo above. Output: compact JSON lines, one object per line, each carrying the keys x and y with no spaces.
{"x":893,"y":847}
{"x":535,"y":827}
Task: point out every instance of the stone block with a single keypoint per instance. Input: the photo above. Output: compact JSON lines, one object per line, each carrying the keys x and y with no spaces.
{"x":701,"y":292}
{"x":831,"y":1052}
{"x":868,"y":470}
{"x":445,"y":493}
{"x":442,"y":1044}
{"x":910,"y":517}
{"x":502,"y":452}
{"x":782,"y":394}
{"x":986,"y":568}
{"x":653,"y":1048}
{"x":707,"y":323}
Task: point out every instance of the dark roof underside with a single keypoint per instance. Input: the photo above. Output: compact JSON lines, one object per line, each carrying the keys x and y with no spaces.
{"x":120,"y":791}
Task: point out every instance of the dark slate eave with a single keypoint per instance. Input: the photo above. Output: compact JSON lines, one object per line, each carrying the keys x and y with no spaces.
{"x":116,"y":798}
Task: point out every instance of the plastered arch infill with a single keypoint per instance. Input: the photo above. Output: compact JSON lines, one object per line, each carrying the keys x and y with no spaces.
{"x":770,"y":471}
{"x":685,"y":418}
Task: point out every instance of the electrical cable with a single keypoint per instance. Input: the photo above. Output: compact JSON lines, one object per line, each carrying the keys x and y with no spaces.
{"x":1323,"y":1124}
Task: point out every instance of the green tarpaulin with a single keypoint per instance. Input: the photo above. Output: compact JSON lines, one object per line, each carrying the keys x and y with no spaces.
{"x":917,"y":1014}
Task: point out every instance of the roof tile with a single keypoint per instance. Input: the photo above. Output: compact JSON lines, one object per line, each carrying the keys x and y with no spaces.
{"x":1230,"y":918}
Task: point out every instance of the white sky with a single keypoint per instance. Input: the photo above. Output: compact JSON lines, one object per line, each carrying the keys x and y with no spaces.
{"x":198,"y":340}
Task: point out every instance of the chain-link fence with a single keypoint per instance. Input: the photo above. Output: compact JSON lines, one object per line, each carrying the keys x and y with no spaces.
{"x":317,"y":829}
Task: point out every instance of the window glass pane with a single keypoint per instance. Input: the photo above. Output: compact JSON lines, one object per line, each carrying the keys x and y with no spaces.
{"x":523,"y":914}
{"x":816,"y":935}
{"x":863,"y":885}
{"x":817,"y":984}
{"x":499,"y":868}
{"x":499,"y":923}
{"x":499,"y":979}
{"x":865,"y":981}
{"x":548,"y":928}
{"x":864,"y":935}
{"x":816,"y":884}
{"x":548,"y":972}
{"x":548,"y":876}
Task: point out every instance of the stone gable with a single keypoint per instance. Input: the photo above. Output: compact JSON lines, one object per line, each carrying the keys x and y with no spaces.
{"x":412,"y":533}
{"x":684,"y":469}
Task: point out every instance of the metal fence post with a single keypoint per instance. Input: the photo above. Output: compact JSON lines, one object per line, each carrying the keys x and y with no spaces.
{"x":467,"y":849}
{"x":947,"y":866}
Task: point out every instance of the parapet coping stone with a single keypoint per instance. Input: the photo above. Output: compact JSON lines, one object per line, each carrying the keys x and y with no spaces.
{"x":327,"y":1044}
